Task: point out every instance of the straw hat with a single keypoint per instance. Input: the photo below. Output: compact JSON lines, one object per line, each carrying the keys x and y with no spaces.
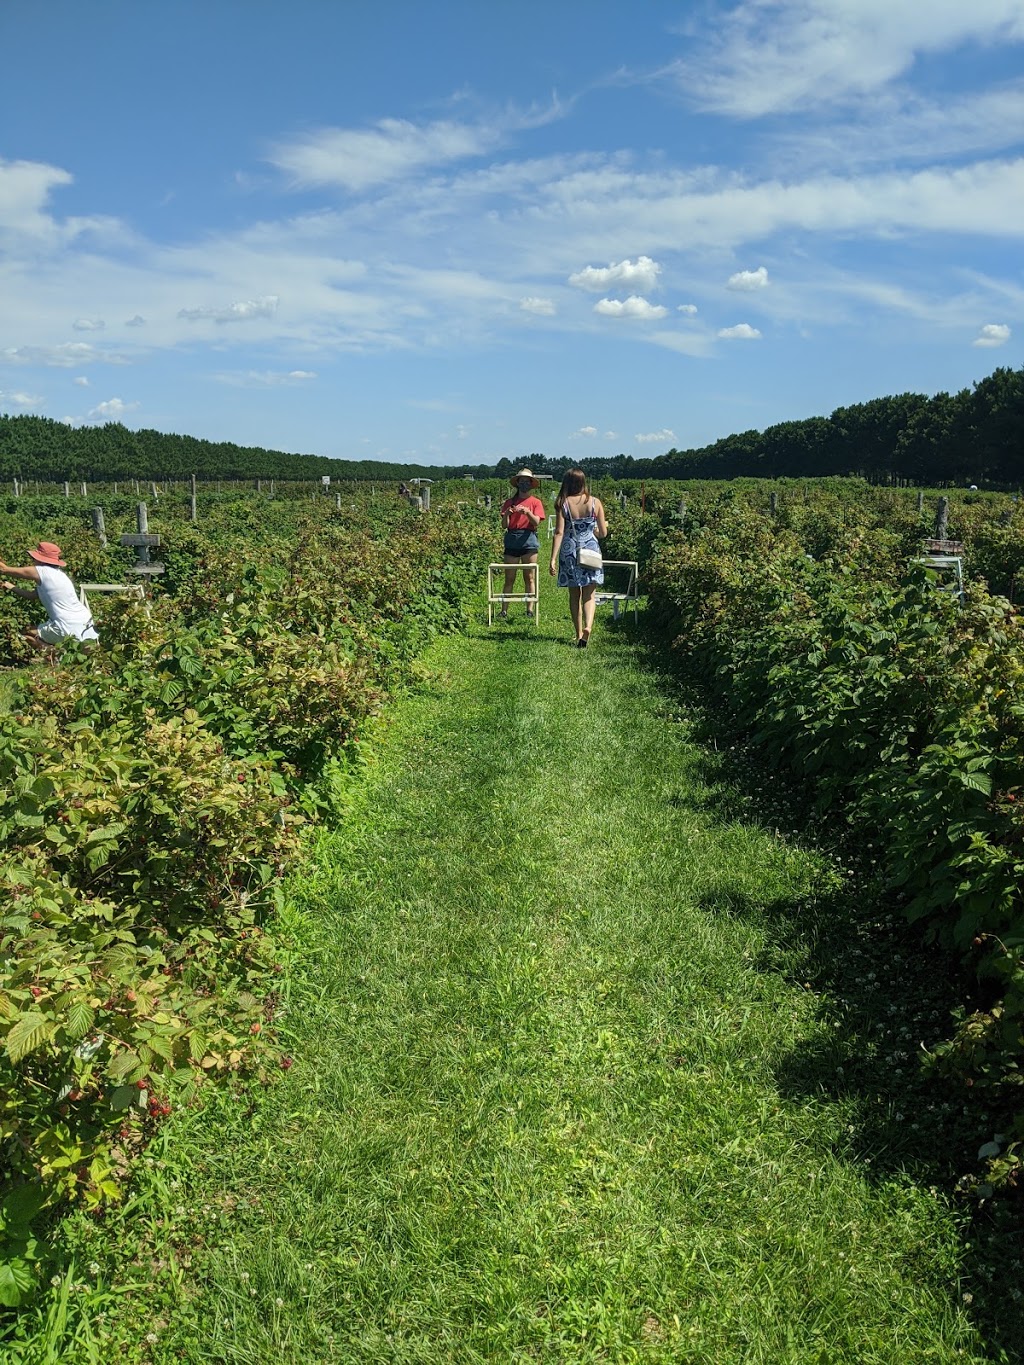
{"x":48,"y":553}
{"x":526,"y":474}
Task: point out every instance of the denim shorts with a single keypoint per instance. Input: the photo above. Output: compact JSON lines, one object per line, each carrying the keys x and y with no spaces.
{"x":521,"y":542}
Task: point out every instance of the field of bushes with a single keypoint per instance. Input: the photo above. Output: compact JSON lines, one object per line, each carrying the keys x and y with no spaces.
{"x":854,"y":668}
{"x":153,"y":794}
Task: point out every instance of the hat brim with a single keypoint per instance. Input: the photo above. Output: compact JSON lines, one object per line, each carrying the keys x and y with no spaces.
{"x":45,"y":559}
{"x":534,"y":481}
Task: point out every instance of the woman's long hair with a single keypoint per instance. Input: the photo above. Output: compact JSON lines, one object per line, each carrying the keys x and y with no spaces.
{"x":574,"y":482}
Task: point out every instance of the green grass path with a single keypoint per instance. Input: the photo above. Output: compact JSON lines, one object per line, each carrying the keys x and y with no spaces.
{"x":534,"y":1112}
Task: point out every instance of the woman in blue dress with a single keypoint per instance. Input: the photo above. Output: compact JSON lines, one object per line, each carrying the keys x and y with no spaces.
{"x":580,"y":520}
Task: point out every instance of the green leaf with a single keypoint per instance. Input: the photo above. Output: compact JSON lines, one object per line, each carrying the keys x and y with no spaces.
{"x":81,"y":1017}
{"x":978,"y":782}
{"x":28,"y":1034}
{"x":20,"y":1205}
{"x":16,"y":1282}
{"x":123,"y":1064}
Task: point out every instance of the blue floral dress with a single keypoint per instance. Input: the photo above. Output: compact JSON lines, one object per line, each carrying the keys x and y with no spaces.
{"x":579,"y":531}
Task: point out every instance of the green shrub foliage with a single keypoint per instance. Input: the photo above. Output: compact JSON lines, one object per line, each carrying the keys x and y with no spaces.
{"x":901,"y":709}
{"x":152,"y":795}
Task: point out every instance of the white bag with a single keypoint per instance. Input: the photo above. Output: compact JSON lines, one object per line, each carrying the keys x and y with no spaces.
{"x":589,"y":559}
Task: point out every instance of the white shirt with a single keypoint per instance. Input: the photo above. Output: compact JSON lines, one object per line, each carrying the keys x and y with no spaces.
{"x":57,"y":593}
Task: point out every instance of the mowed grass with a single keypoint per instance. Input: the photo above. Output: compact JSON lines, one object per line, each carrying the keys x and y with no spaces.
{"x":534,"y":1111}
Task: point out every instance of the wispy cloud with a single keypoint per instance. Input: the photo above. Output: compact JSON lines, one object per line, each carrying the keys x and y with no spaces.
{"x":245,"y":311}
{"x":779,"y":55}
{"x":18,"y":399}
{"x":88,"y":324}
{"x":265,"y":379}
{"x":583,"y":432}
{"x":543,"y":308}
{"x":65,"y":356}
{"x":392,"y":149}
{"x":645,"y":438}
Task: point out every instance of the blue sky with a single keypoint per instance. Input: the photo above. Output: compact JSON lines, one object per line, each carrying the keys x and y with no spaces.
{"x":459,"y":231}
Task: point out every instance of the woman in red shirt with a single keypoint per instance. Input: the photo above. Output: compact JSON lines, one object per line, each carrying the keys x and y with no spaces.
{"x":521,"y":514}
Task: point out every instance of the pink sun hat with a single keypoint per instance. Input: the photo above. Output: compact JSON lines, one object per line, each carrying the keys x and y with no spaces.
{"x":48,"y":553}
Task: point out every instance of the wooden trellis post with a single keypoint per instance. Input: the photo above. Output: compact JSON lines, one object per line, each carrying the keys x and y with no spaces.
{"x":98,"y":526}
{"x":143,"y":542}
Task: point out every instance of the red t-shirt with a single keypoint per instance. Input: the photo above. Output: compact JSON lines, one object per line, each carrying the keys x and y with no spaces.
{"x":516,"y":520}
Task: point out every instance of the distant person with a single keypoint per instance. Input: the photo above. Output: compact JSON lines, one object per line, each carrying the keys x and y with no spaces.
{"x":521,"y":514}
{"x":403,"y":491}
{"x":579,"y":521}
{"x":66,"y":619}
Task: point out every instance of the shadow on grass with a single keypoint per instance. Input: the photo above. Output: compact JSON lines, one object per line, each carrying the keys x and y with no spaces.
{"x":885,"y":998}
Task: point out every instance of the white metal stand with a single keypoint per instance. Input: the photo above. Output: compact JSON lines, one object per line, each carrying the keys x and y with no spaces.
{"x":946,"y":557}
{"x":136,"y":591}
{"x":620,"y":599}
{"x":503,"y":598}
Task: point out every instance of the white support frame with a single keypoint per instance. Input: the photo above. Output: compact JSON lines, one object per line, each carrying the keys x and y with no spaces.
{"x":136,"y":591}
{"x":505,"y":597}
{"x":624,"y":599}
{"x":949,"y":563}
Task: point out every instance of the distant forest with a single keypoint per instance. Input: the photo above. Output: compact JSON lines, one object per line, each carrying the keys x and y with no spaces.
{"x":973,"y":437}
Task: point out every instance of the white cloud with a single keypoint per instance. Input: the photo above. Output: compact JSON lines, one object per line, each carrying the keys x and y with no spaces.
{"x":992,"y":334}
{"x":20,"y":400}
{"x":773,"y":55}
{"x":685,"y":343}
{"x":88,"y":324}
{"x":263,"y":307}
{"x":741,"y":332}
{"x":689,"y":309}
{"x":355,"y":159}
{"x":583,"y":431}
{"x":111,"y":411}
{"x":81,"y":381}
{"x":611,"y":436}
{"x":639,"y":274}
{"x":137,"y":321}
{"x":633,"y":307}
{"x":265,"y":379}
{"x":65,"y":356}
{"x":666,"y":434}
{"x":544,"y":308}
{"x":746,"y":281}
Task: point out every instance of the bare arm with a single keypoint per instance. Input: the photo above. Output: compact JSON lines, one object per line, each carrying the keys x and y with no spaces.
{"x":556,"y":544}
{"x":602,"y":525}
{"x":29,"y":571}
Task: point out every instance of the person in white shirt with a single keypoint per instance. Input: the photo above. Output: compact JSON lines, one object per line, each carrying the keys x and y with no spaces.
{"x":66,"y":617}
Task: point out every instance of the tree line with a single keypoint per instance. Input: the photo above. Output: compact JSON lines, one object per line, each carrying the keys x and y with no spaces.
{"x":972,"y":437}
